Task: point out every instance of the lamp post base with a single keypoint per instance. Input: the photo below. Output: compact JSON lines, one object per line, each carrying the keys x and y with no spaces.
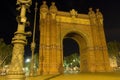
{"x":15,"y":76}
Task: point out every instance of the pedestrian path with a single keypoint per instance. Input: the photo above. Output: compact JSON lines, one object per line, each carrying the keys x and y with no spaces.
{"x":81,"y":76}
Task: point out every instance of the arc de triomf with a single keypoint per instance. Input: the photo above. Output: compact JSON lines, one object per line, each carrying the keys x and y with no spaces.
{"x":86,"y":29}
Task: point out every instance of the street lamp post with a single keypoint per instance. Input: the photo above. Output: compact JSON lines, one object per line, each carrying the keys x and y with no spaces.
{"x":19,"y":41}
{"x":33,"y":43}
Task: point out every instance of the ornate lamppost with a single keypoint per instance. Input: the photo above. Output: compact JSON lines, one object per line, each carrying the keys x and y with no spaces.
{"x":19,"y":41}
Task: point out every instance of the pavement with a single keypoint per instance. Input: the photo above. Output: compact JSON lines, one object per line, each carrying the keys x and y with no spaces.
{"x":80,"y":76}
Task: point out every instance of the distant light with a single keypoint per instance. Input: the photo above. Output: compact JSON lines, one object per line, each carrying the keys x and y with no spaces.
{"x":27,"y":60}
{"x":26,"y":69}
{"x":73,"y":60}
{"x":6,"y":66}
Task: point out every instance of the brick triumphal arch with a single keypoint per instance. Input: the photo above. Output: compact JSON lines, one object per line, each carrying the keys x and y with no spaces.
{"x":86,"y":29}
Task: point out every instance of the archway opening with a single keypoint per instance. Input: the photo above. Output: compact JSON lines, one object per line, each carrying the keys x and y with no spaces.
{"x":71,"y":53}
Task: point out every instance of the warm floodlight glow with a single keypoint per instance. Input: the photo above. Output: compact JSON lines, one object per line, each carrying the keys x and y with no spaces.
{"x":27,"y":60}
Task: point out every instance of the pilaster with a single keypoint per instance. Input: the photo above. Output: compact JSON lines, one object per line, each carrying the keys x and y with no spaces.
{"x":96,"y":41}
{"x":43,"y":45}
{"x":103,"y":40}
{"x":53,"y":39}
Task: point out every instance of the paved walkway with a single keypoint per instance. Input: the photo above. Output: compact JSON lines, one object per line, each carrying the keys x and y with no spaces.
{"x":81,"y":76}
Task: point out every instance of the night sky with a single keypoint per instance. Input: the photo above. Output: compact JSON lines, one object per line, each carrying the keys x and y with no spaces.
{"x":109,"y":8}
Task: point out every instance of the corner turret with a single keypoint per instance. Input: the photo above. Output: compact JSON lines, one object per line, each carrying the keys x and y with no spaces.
{"x":43,"y":10}
{"x":99,"y":16}
{"x":53,"y":10}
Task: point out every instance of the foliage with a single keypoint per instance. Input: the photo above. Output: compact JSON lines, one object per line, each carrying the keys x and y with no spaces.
{"x":5,"y":52}
{"x":72,"y":60}
{"x":113,"y":48}
{"x":36,"y":59}
{"x":36,"y":62}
